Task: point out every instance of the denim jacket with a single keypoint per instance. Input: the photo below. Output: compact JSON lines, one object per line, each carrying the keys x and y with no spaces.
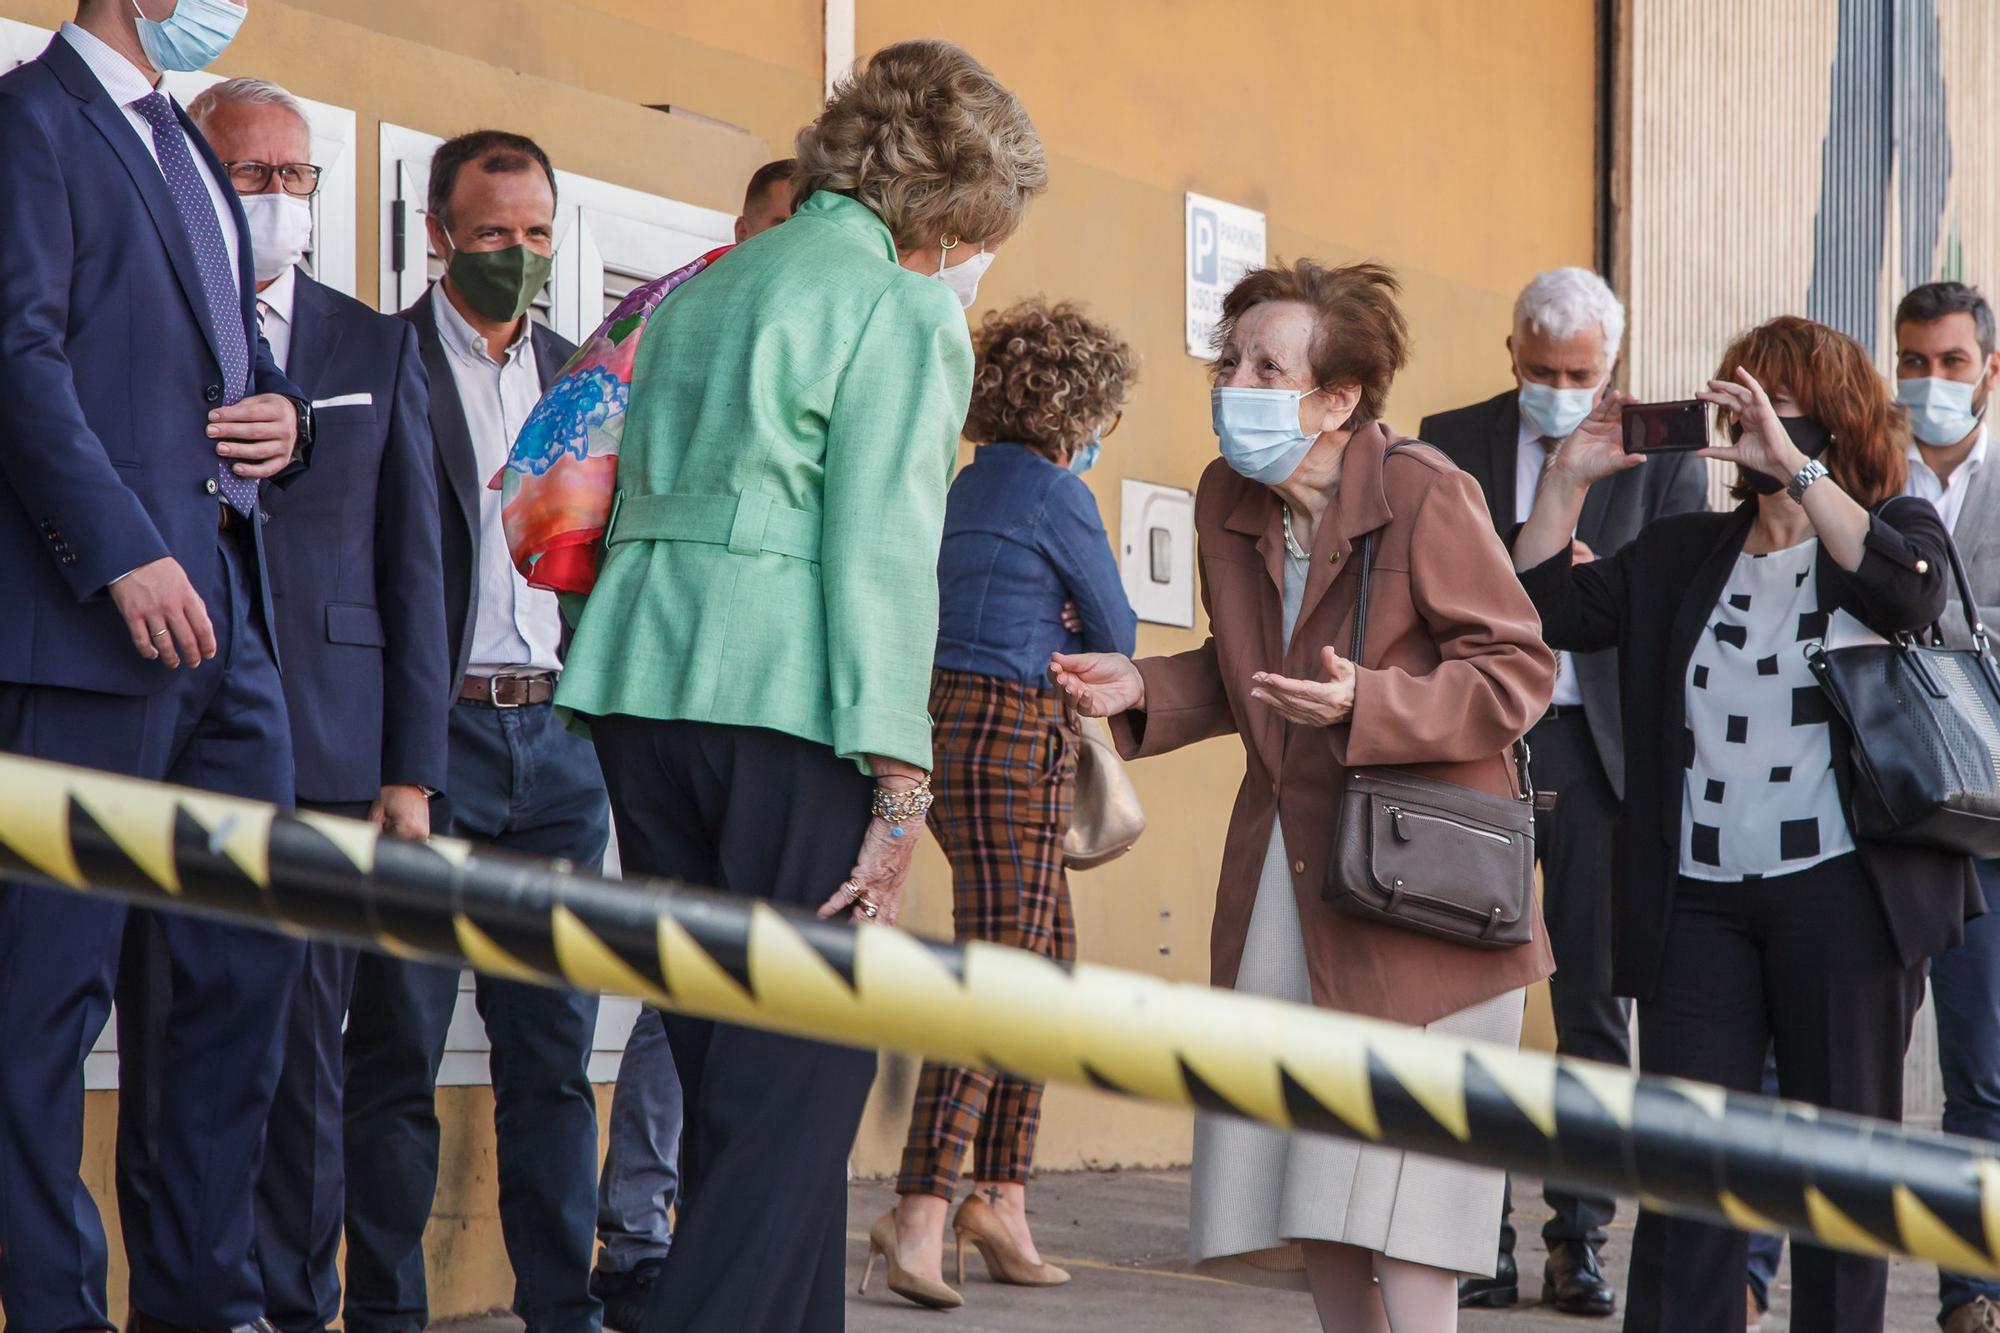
{"x":1021,"y":537}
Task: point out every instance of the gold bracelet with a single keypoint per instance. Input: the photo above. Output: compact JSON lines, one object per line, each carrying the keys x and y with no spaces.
{"x":896,"y":808}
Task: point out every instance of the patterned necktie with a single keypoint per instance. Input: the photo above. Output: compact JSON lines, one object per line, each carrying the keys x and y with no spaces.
{"x":211,"y":256}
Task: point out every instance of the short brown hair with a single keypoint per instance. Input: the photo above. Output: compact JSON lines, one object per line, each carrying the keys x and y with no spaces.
{"x":1832,"y":380}
{"x":1359,"y":333}
{"x":495,"y":152}
{"x":771,"y":173}
{"x":1046,"y":377}
{"x":931,"y":142}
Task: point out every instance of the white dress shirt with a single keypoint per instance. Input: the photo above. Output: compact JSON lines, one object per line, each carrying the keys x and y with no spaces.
{"x":274,"y":315}
{"x":126,"y":85}
{"x":1947,"y":497}
{"x":516,"y":628}
{"x":1529,"y":460}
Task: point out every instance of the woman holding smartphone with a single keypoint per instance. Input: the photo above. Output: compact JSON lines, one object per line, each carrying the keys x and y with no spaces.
{"x":1748,"y":913}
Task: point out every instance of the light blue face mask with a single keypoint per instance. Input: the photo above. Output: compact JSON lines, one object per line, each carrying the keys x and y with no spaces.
{"x":192,"y":36}
{"x":1941,"y":410}
{"x":1259,"y":431}
{"x":1553,"y":413}
{"x":1084,"y":459}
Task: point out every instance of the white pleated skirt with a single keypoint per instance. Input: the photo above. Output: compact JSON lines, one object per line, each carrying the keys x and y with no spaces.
{"x":1257,"y":1191}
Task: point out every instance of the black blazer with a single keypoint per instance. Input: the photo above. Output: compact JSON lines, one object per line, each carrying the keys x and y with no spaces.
{"x":1653,"y":600}
{"x":353,"y":555}
{"x":1485,"y":440}
{"x":459,"y":482}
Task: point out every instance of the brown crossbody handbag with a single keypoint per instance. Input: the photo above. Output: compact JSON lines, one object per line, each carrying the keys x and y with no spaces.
{"x":1430,"y":856}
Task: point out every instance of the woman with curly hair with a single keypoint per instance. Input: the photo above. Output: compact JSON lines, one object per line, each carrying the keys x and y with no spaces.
{"x":1026,"y":571}
{"x":755,"y":658}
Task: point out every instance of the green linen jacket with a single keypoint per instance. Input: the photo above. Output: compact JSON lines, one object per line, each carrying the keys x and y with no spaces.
{"x":771,"y":559}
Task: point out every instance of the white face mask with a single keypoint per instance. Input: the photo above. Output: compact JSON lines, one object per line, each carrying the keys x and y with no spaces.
{"x":280,"y":231}
{"x":963,"y":279}
{"x":1941,"y":410}
{"x":1553,"y":413}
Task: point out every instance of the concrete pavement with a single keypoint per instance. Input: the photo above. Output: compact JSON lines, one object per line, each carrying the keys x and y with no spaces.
{"x":1122,"y":1235}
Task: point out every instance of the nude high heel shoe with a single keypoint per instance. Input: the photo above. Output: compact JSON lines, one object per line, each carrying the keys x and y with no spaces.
{"x":917,"y":1290}
{"x":978,"y":1223}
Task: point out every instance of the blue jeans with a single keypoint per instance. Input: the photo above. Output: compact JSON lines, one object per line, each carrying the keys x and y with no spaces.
{"x":1765,"y":1249}
{"x":521,"y":782}
{"x":1965,"y":993}
{"x":643,"y":1155}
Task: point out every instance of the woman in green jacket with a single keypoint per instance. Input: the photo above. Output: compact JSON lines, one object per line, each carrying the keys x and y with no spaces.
{"x":755,"y":659}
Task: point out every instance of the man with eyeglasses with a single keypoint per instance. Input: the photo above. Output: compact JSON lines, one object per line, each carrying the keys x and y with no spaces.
{"x":357,"y":579}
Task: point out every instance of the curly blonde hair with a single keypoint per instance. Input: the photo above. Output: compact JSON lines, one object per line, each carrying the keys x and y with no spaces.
{"x":931,"y":142}
{"x":1046,"y":376}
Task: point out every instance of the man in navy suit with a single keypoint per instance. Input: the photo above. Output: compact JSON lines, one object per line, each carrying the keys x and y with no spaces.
{"x":142,"y":413}
{"x":359,"y":591}
{"x":518,"y":779}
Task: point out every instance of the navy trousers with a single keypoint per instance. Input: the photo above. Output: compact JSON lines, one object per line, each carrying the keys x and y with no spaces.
{"x":302,"y":1189}
{"x":519,"y":781}
{"x":189,"y":1225}
{"x":1965,"y":992}
{"x":761,"y":1238}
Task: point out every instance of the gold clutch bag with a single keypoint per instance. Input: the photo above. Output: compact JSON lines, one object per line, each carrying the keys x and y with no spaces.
{"x":1108,"y":818}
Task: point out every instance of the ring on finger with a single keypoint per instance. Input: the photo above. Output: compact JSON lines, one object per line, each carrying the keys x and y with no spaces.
{"x":851,"y":889}
{"x":161,"y":633}
{"x":867,"y":909}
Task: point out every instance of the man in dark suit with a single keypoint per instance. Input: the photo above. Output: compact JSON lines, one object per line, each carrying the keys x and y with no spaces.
{"x":517,"y":779}
{"x":1567,"y":330}
{"x":360,"y":600}
{"x":142,"y":413}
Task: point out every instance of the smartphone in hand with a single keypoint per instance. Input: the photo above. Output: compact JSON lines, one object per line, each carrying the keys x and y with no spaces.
{"x":1665,"y":428}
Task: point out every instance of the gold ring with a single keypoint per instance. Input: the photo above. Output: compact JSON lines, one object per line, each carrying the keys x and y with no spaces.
{"x":851,"y":889}
{"x":159,"y":633}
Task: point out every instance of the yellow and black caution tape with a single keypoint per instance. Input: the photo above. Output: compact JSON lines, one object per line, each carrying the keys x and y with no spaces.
{"x":1853,"y":1184}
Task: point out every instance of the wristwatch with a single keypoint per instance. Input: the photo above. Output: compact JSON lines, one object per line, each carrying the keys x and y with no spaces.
{"x":304,"y":408}
{"x":1807,"y":475}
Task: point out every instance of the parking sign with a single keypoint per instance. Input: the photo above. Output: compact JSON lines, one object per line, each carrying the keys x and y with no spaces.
{"x":1224,"y":241}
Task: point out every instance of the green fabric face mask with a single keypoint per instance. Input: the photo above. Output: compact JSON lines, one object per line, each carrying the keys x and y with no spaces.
{"x":500,"y":284}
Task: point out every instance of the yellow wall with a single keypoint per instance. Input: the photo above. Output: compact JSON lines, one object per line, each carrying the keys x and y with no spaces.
{"x":1453,"y":140}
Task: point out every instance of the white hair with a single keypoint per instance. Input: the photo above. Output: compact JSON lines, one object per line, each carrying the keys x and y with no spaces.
{"x":1565,"y":302}
{"x":243,"y":92}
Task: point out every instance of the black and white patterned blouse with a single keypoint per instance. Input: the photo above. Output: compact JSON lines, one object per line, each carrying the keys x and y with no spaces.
{"x":1760,"y":797}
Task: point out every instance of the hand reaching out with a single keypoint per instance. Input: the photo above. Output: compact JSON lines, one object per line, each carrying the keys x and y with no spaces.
{"x":1310,"y":703}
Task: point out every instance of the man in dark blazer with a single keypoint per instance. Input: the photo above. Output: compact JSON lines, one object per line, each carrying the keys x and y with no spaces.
{"x":517,"y":779}
{"x":1567,"y":328}
{"x":359,"y":591}
{"x":140,"y":413}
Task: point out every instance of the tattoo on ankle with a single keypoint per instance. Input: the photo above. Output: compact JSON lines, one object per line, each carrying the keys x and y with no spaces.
{"x":993,"y":1195}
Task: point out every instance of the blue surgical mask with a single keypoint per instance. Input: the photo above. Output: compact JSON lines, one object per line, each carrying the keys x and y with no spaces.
{"x":1553,"y":413}
{"x":1941,"y":410}
{"x":1259,"y":431}
{"x":1084,"y":459}
{"x":192,"y":36}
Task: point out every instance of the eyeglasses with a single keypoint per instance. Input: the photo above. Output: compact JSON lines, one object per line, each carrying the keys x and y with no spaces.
{"x":1112,"y":429}
{"x":299,"y":178}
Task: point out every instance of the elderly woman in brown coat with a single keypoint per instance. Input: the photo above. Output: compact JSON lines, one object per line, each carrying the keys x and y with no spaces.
{"x":1454,"y":673}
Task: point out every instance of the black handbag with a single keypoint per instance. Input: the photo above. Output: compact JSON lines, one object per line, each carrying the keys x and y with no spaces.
{"x":1924,"y":723}
{"x":1435,"y":857}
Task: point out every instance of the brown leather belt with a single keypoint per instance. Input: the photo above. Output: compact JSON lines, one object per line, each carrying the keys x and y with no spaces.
{"x":533,"y":687}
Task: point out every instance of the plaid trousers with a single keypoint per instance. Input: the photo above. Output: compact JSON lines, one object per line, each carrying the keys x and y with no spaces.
{"x":1005,"y":789}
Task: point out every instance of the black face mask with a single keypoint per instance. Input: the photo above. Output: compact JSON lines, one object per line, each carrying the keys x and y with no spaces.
{"x":1809,"y":436}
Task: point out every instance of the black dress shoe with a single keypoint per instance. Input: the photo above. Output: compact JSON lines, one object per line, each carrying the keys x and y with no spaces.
{"x":1500,"y":1292}
{"x":626,"y":1295}
{"x":1574,"y":1284}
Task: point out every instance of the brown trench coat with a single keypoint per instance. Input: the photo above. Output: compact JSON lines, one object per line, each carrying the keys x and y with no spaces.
{"x":1455,"y":671}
